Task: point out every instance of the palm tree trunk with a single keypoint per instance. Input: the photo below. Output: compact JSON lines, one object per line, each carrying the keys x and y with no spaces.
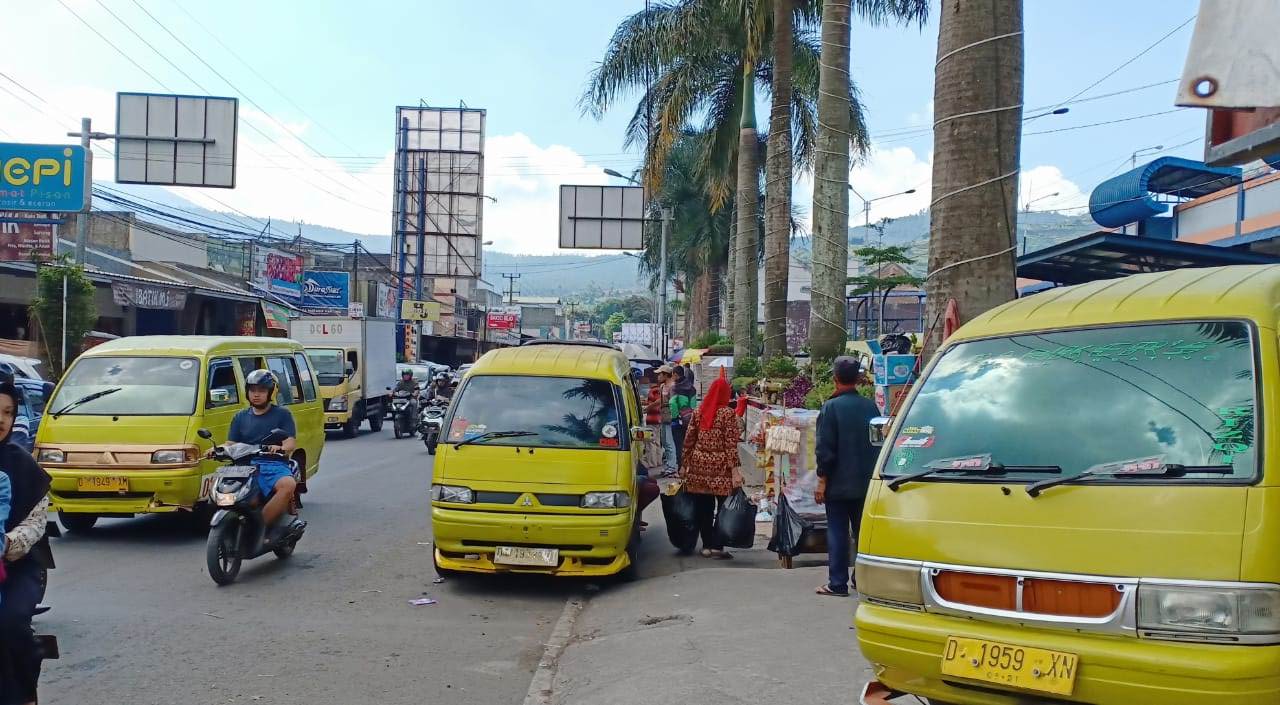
{"x":830,"y":187}
{"x":777,"y":187}
{"x":746,"y":251}
{"x":978,"y":222}
{"x":730,"y":273}
{"x":697,"y":319}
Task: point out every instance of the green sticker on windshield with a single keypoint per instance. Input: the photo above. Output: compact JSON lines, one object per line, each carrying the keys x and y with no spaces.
{"x":1235,"y":432}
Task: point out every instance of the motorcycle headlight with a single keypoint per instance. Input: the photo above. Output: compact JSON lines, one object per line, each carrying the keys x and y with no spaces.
{"x":51,"y":455}
{"x":338,"y":404}
{"x":451,"y":494}
{"x":889,"y":583}
{"x":170,"y":457}
{"x":606,"y":500}
{"x":1208,"y":612}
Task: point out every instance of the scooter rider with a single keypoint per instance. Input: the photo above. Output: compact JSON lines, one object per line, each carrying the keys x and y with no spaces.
{"x":251,"y":426}
{"x":442,"y":389}
{"x":406,"y":383}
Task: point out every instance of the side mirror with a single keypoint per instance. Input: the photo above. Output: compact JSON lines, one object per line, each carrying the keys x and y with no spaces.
{"x":879,"y":429}
{"x":219,"y":396}
{"x":205,"y":434}
{"x":640,"y":433}
{"x":349,"y":371}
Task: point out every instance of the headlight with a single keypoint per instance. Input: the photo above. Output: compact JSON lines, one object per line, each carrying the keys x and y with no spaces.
{"x":169,"y":457}
{"x":52,"y":455}
{"x":897,"y":584}
{"x":606,"y":500}
{"x":1208,"y":610}
{"x":338,"y":404}
{"x":449,"y":493}
{"x":224,"y":499}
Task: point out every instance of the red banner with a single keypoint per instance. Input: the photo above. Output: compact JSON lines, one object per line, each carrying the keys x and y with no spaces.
{"x":24,"y":238}
{"x":502,"y":320}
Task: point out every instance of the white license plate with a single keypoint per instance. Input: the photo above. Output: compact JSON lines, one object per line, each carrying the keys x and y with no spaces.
{"x":523,"y":555}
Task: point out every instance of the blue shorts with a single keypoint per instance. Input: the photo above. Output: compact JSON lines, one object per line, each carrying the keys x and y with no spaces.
{"x":269,"y":473}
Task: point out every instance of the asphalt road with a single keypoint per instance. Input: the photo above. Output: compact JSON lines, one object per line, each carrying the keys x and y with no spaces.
{"x":139,"y":620}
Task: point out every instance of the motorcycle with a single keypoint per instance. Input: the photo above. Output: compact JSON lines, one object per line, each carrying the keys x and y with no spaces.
{"x":403,"y":410}
{"x":431,"y":422}
{"x":238,"y":531}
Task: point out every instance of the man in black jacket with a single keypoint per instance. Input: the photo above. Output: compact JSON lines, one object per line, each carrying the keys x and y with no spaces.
{"x":846,"y":459}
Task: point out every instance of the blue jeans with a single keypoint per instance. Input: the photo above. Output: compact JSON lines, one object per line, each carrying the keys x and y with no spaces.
{"x":843,"y":516}
{"x":668,"y":448}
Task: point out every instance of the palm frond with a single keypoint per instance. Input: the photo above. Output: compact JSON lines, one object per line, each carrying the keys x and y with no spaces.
{"x":900,"y":12}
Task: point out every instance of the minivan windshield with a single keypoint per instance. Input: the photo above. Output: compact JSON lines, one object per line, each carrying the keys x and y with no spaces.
{"x":146,"y":386}
{"x":1182,"y":393}
{"x":563,"y":412}
{"x":330,"y":365}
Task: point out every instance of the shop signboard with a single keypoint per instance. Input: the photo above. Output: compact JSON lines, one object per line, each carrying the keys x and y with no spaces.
{"x":385,"y":306}
{"x":277,"y":316}
{"x":247,"y":319}
{"x":324,"y":291}
{"x":504,"y":318}
{"x":279,"y":273}
{"x":25,"y":237}
{"x":413,"y":310}
{"x":355,"y":309}
{"x":148,"y":296}
{"x":41,"y":177}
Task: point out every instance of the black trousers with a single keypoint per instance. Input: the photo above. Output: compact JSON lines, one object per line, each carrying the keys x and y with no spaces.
{"x":706,"y":506}
{"x":19,"y":655}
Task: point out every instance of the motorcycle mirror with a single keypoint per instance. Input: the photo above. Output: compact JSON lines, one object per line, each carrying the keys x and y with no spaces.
{"x":205,"y":434}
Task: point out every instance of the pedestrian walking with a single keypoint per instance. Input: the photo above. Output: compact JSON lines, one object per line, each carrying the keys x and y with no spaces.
{"x":658,"y":415}
{"x":682,"y":408}
{"x":845,"y":461}
{"x":710,"y":470}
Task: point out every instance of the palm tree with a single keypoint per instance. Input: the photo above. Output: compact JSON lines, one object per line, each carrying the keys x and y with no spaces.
{"x":777,"y":185}
{"x":972,"y":221}
{"x":831,"y":169}
{"x":697,"y":53}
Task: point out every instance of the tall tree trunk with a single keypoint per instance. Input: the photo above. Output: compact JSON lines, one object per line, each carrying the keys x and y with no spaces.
{"x":831,"y":187}
{"x":730,"y":273}
{"x":715,"y":297}
{"x":697,"y":318}
{"x":746,"y":252}
{"x":976,"y":159}
{"x":777,"y":187}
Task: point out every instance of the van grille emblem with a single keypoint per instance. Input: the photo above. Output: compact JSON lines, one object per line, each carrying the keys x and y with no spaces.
{"x":528,"y":501}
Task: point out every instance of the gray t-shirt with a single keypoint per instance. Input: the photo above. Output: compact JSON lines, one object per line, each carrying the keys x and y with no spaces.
{"x":248,"y":427}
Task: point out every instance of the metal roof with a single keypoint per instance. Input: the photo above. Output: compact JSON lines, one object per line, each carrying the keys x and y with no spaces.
{"x":1108,"y":255}
{"x":1127,"y":198}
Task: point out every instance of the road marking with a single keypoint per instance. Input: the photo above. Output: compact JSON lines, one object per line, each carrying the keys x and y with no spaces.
{"x":544,"y":675}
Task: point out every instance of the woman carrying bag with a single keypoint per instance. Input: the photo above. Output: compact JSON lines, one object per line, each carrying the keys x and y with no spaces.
{"x":710,"y":469}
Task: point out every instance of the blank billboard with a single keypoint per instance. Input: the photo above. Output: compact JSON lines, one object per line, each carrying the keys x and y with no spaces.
{"x":208,"y":160}
{"x":602,"y":217}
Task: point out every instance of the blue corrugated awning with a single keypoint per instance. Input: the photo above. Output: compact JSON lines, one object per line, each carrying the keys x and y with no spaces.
{"x":1128,"y":198}
{"x":1108,"y":255}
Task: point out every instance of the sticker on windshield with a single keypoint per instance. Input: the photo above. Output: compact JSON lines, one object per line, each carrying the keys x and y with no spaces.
{"x":902,"y":458}
{"x":918,"y":430}
{"x":457,"y":428}
{"x":609,"y":431}
{"x":185,"y":365}
{"x":906,"y":441}
{"x":474,"y":430}
{"x":1235,"y":432}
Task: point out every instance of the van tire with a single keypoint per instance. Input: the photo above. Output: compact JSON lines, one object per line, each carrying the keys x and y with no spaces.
{"x":631,"y":573}
{"x":77,"y":523}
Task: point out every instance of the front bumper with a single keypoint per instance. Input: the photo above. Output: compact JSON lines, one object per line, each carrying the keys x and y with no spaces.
{"x":589,"y":544}
{"x":149,"y":491}
{"x":905,"y":648}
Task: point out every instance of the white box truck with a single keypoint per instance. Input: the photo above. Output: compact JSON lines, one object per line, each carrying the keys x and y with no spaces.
{"x":355,"y":363}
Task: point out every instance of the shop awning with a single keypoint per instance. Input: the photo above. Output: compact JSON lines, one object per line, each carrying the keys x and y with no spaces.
{"x":1108,"y":255}
{"x":277,"y":317}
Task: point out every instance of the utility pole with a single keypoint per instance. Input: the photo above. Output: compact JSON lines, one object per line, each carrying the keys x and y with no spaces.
{"x":662,"y":279}
{"x":82,"y":222}
{"x":511,"y":287}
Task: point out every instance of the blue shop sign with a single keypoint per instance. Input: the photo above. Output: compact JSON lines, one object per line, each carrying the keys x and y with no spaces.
{"x":41,"y":177}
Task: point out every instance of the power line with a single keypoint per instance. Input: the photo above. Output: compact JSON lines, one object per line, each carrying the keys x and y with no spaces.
{"x":113,"y":46}
{"x":1134,"y":58}
{"x":1104,"y":122}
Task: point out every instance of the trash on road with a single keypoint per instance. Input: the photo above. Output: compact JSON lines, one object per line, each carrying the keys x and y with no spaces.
{"x":423,"y":601}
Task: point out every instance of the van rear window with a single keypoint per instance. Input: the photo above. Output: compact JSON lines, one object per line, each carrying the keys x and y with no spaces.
{"x":1182,"y":393}
{"x":562,"y":412}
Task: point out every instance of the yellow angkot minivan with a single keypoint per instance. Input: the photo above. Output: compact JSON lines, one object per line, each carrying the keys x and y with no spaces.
{"x":119,"y":433}
{"x":1080,"y":503}
{"x":537,"y":468}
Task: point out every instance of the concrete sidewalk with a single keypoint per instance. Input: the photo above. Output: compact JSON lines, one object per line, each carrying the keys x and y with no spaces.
{"x":716,"y":633}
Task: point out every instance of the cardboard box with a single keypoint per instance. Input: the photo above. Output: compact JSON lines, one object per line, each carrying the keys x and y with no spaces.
{"x":893,"y":369}
{"x":891,"y":398}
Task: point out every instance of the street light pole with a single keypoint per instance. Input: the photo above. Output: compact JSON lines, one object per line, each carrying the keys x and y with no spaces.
{"x":1026,"y":208}
{"x":866,"y":214}
{"x":660,"y":298}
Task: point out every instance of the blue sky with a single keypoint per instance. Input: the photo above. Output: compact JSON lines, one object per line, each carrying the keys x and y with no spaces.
{"x":330,"y":73}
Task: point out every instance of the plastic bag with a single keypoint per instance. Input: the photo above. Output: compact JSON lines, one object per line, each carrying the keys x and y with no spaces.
{"x":789,"y":530}
{"x":736,"y":521}
{"x":682,"y":525}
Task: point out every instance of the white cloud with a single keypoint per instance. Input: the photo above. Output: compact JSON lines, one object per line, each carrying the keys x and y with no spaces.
{"x":1039,"y":184}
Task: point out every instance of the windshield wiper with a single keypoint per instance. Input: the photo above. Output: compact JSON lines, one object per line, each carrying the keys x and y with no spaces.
{"x":85,"y":399}
{"x":488,"y":435}
{"x":968,"y":465}
{"x":1142,"y":467}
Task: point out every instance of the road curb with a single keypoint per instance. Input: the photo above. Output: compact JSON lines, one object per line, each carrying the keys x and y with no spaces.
{"x":540,"y":688}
